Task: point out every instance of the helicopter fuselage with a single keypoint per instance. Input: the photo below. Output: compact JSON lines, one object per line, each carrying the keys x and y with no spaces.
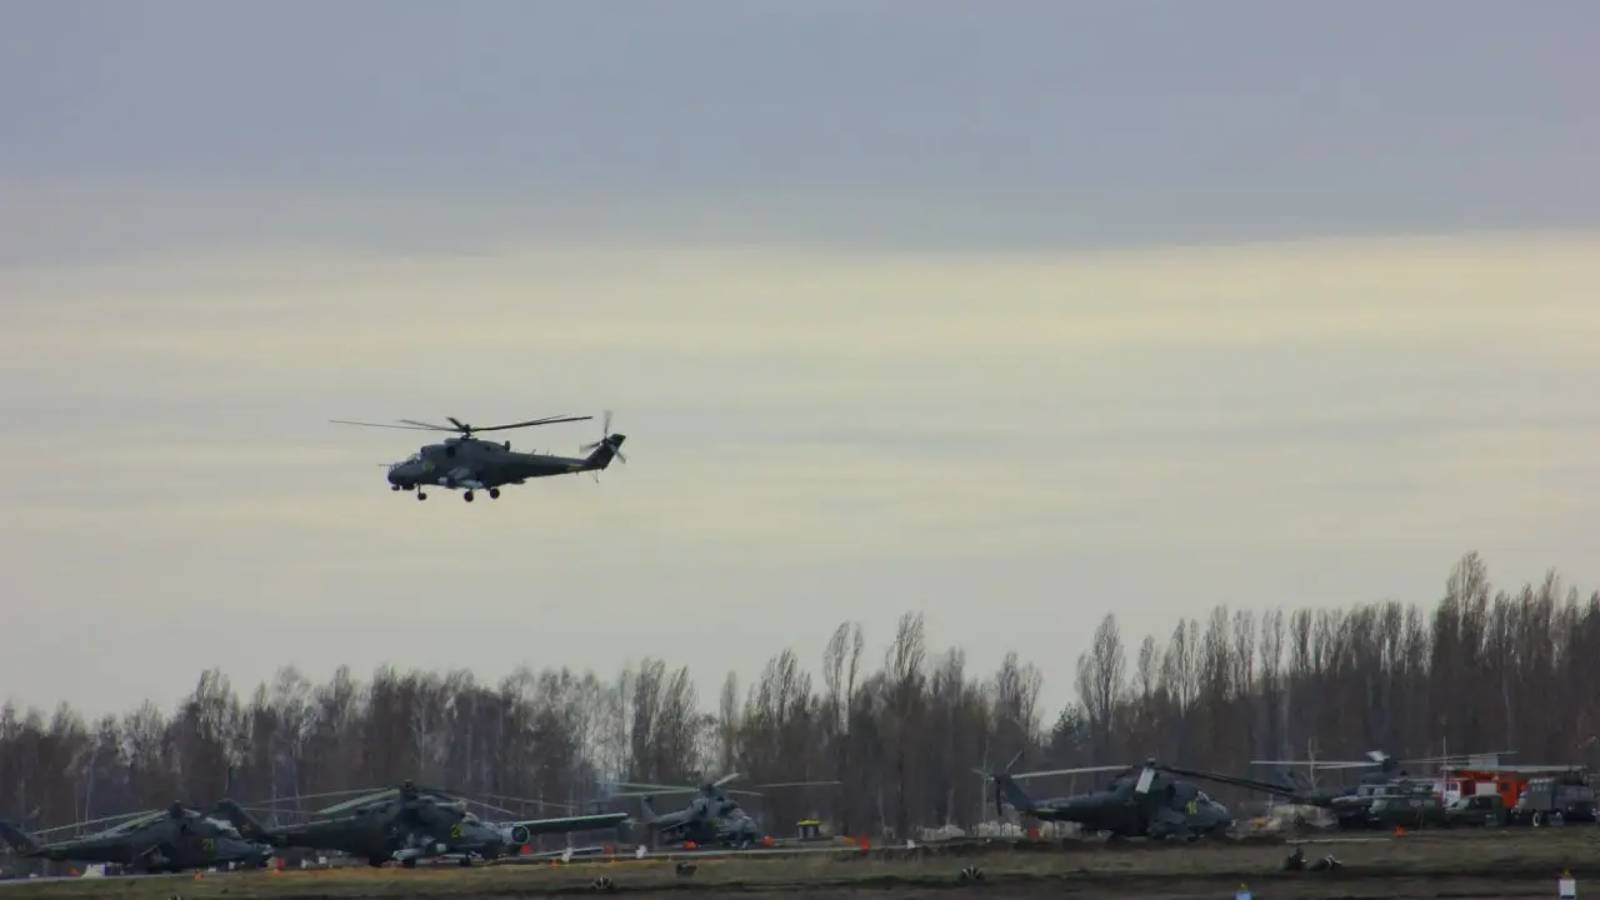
{"x":1168,"y":808}
{"x":473,"y":463}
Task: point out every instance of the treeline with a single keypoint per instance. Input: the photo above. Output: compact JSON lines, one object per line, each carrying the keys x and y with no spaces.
{"x":1485,"y":670}
{"x":900,"y":736}
{"x":901,"y":727}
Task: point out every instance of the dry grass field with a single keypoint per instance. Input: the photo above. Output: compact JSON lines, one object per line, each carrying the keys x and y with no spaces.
{"x":1462,"y":864}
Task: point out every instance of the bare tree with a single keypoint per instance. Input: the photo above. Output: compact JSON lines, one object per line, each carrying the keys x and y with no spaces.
{"x":1100,"y":680}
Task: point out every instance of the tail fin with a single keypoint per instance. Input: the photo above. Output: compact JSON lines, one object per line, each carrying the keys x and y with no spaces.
{"x":17,"y":839}
{"x":648,"y":805}
{"x":605,"y":451}
{"x":248,"y":827}
{"x":1013,"y":793}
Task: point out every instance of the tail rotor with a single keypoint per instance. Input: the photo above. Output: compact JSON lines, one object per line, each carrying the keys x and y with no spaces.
{"x":1002,"y":783}
{"x":609,"y":446}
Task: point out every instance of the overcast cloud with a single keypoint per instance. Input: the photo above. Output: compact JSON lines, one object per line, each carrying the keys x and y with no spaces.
{"x":1013,"y":314}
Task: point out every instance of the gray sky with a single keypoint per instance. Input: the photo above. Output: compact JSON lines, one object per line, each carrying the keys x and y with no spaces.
{"x":1014,"y":314}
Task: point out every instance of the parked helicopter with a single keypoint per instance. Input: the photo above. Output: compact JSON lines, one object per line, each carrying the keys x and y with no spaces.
{"x":168,"y":840}
{"x":407,"y":823}
{"x":474,"y":464}
{"x":1388,"y":796}
{"x":1148,"y":799}
{"x":712,"y":817}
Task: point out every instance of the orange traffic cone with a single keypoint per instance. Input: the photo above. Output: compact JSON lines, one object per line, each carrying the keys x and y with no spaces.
{"x":1399,"y":831}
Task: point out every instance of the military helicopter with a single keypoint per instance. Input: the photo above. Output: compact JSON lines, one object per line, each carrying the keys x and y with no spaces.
{"x":474,"y":464}
{"x":407,"y":823}
{"x":1148,"y":799}
{"x":710,"y":818}
{"x":1385,"y":797}
{"x":169,"y":840}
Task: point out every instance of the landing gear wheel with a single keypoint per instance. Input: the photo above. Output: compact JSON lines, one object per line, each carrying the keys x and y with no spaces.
{"x":421,"y":496}
{"x":465,"y":861}
{"x":394,"y":487}
{"x":409,"y":862}
{"x":494,"y":493}
{"x":467,"y":496}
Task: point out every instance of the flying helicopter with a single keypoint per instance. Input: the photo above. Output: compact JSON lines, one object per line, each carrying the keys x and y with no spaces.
{"x":712,"y":816}
{"x":473,"y":464}
{"x":407,"y":823}
{"x":168,"y":840}
{"x":1148,"y":799}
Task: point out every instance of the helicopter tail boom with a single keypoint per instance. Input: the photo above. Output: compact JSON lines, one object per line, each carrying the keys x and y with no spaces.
{"x":17,"y":838}
{"x":248,"y":827}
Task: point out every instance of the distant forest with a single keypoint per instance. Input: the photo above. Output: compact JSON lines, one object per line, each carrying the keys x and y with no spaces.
{"x":902,"y":726}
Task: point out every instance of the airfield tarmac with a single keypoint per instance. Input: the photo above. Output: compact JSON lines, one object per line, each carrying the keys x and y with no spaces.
{"x":1433,"y":864}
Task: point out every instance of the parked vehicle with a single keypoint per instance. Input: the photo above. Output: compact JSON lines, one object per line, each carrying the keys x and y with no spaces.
{"x":1484,"y":809}
{"x":1564,"y":798}
{"x":1413,"y":809}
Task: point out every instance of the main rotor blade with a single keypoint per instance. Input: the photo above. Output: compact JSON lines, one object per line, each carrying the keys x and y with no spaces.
{"x":124,"y":817}
{"x":319,"y":796}
{"x":460,"y":425}
{"x":744,"y":793}
{"x":414,"y":427}
{"x":490,"y":806}
{"x":374,"y":797}
{"x":1281,"y":790}
{"x":429,"y":425}
{"x":1085,"y":770}
{"x":666,"y":793}
{"x":725,"y":779}
{"x":785,"y":784}
{"x":549,"y":420}
{"x":643,"y":786}
{"x":1315,"y":764}
{"x":530,"y":801}
{"x":1458,"y":757}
